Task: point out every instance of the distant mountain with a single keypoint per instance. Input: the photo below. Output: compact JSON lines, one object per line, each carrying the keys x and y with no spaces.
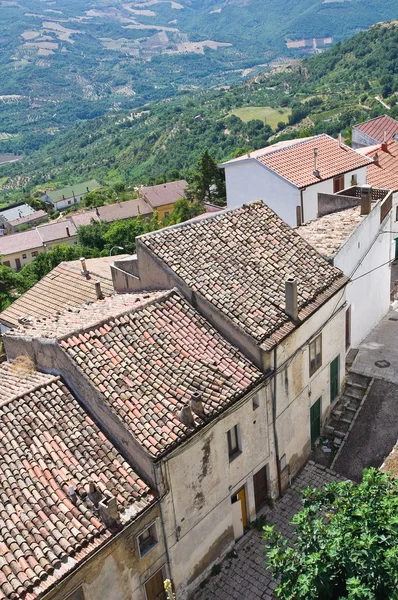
{"x":68,"y":60}
{"x":324,"y":93}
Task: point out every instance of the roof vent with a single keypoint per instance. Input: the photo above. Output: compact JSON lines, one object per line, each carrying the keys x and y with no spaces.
{"x":108,"y":509}
{"x":315,"y":172}
{"x":196,"y":405}
{"x":83,"y":265}
{"x":186,"y":417}
{"x":98,"y":290}
{"x":291,"y":304}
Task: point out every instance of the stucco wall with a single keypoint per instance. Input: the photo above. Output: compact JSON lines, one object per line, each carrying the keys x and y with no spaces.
{"x":248,"y":180}
{"x":202,"y":480}
{"x":310,"y":194}
{"x":11,"y":258}
{"x":116,"y":571}
{"x":368,"y":294}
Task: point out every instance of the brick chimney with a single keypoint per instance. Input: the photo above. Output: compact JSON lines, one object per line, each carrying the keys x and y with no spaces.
{"x":384,"y":147}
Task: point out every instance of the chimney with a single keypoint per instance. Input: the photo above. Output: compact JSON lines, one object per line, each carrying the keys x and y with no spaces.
{"x":384,"y":144}
{"x":98,"y":290}
{"x":315,"y":171}
{"x":67,"y":231}
{"x":185,"y":417}
{"x":376,"y":158}
{"x":366,"y":199}
{"x":196,"y":405}
{"x":87,"y":188}
{"x":83,"y":265}
{"x":340,"y":140}
{"x":291,"y":305}
{"x":108,"y":509}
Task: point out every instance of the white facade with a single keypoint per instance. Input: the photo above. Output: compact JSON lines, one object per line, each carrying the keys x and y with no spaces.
{"x":248,"y":180}
{"x":364,"y":257}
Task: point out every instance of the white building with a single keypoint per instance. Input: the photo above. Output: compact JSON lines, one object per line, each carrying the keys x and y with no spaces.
{"x":357,"y":241}
{"x":290,"y":176}
{"x":68,"y":196}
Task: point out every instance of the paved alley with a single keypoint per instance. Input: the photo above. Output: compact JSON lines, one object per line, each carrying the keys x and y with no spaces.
{"x":243,"y":576}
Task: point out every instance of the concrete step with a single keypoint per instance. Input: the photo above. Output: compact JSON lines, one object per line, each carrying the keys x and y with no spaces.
{"x":341,"y":425}
{"x":356,"y":378}
{"x":356,"y":393}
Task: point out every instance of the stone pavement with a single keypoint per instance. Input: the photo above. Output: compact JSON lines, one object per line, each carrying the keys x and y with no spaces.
{"x":243,"y":575}
{"x":378,"y":353}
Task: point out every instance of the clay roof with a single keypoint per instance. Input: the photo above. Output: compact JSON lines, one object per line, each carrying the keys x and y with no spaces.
{"x":239,"y":260}
{"x":18,"y":377}
{"x":266,"y":150}
{"x":375,"y":128}
{"x":165,"y":193}
{"x":56,"y":231}
{"x":384,"y":173}
{"x":296,"y":163}
{"x":114,"y":212}
{"x":63,"y":287}
{"x":328,"y":233}
{"x":20,"y":242}
{"x":38,"y":214}
{"x":48,"y":443}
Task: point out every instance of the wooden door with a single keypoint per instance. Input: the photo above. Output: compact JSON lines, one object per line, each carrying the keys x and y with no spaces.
{"x":315,"y":420}
{"x":154,"y":587}
{"x":334,"y":378}
{"x":237,"y":524}
{"x":18,"y":264}
{"x":260,"y":488}
{"x":241,"y":495}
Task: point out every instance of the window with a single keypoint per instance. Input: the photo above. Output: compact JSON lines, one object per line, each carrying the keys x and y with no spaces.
{"x":283,"y":463}
{"x":338,"y":184}
{"x":396,"y":213}
{"x":233,"y":442}
{"x":6,"y":263}
{"x":24,"y":256}
{"x":256,"y":402}
{"x":166,"y":214}
{"x":354,"y":180}
{"x":147,"y":540}
{"x":315,"y":354}
{"x":348,"y":328}
{"x":35,"y":253}
{"x":76,"y":595}
{"x":69,"y":201}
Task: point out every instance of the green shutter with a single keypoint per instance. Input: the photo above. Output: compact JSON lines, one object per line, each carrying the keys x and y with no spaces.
{"x":315,"y":419}
{"x":334,"y":378}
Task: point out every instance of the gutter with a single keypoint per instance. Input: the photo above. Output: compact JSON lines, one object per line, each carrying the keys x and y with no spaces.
{"x":276,"y":444}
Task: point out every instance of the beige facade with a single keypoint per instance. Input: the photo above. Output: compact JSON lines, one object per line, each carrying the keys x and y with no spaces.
{"x":21,"y":258}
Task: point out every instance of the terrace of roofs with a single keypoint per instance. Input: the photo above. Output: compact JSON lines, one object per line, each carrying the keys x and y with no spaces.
{"x":56,"y":467}
{"x":239,"y":260}
{"x":147,"y":355}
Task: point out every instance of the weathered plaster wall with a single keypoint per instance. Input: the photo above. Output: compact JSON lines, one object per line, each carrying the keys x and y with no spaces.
{"x":116,"y":571}
{"x":202,"y":480}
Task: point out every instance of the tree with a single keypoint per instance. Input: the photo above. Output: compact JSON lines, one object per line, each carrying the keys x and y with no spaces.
{"x":209,"y":180}
{"x":184,"y":210}
{"x":346,"y":543}
{"x":123,"y":233}
{"x":8,"y":280}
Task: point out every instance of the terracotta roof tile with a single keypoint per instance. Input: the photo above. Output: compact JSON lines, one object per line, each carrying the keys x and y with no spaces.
{"x":328,"y":233}
{"x":375,"y":128}
{"x":38,"y":214}
{"x":56,"y":230}
{"x":19,"y":242}
{"x":296,"y":163}
{"x":239,"y":260}
{"x":114,"y":212}
{"x":63,"y":287}
{"x":164,"y":193}
{"x":148,"y":361}
{"x":47,"y":444}
{"x":384,"y":173}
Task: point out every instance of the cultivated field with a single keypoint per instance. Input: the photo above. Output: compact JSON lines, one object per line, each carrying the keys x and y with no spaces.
{"x":272,"y":116}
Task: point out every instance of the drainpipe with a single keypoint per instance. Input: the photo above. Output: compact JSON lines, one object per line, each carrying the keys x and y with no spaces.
{"x":274,"y":428}
{"x":302,"y":207}
{"x":166,"y":545}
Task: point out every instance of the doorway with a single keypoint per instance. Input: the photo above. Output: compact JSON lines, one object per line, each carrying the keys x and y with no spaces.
{"x":315,"y":421}
{"x":154,"y":588}
{"x":260,"y":481}
{"x":334,"y":378}
{"x":18,"y":264}
{"x":239,"y":513}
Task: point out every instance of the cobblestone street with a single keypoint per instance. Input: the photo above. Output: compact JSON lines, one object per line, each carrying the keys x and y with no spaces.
{"x":244,"y":577}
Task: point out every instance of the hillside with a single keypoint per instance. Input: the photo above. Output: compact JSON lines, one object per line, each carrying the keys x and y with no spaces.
{"x":327,"y":92}
{"x":67,"y":60}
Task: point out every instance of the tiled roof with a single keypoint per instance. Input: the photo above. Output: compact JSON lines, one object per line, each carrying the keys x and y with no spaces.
{"x":82,"y":316}
{"x":63,"y":287}
{"x":375,"y":128}
{"x":384,"y":173}
{"x":149,"y":361}
{"x":18,"y":377}
{"x":15,"y":212}
{"x":239,"y":260}
{"x":296,"y":163}
{"x":114,"y":212}
{"x":165,"y":193}
{"x":38,"y":214}
{"x":77,"y":189}
{"x":20,"y":242}
{"x":48,"y":443}
{"x":56,"y":231}
{"x":328,"y":233}
{"x":266,"y":150}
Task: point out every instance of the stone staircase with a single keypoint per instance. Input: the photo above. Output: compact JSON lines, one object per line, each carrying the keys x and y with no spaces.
{"x":346,"y":407}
